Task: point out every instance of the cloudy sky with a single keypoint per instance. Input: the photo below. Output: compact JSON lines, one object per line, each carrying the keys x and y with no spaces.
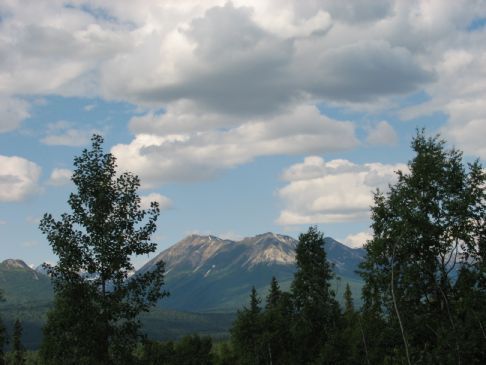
{"x":240,"y":117}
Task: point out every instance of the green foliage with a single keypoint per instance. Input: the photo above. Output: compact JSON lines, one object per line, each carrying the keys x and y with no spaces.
{"x":3,"y":342}
{"x":316,"y":310}
{"x":297,"y":327}
{"x":224,"y":354}
{"x":18,"y":349}
{"x":190,"y":350}
{"x":94,"y":319}
{"x":425,"y":263}
{"x":276,"y":336}
{"x":246,"y":332}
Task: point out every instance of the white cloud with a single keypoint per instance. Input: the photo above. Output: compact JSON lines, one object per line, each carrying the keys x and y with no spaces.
{"x":381,"y":133}
{"x":18,"y":178}
{"x":240,"y":57}
{"x":358,"y":239}
{"x":2,"y":222}
{"x":164,"y":202}
{"x":12,"y":112}
{"x":336,"y":191}
{"x":63,"y":133}
{"x":238,"y":61}
{"x":230,"y":235}
{"x":60,"y":177}
{"x":183,"y":156}
{"x":460,"y":92}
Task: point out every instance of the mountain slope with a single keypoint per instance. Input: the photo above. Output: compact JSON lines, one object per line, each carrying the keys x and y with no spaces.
{"x":206,"y":273}
{"x":21,"y":284}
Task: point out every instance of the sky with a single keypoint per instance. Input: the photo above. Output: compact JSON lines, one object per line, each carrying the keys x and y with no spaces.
{"x":239,"y":117}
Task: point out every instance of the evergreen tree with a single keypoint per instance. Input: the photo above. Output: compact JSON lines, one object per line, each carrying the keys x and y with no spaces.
{"x":193,"y":350}
{"x":276,"y":325}
{"x":3,"y":334}
{"x":348,"y":300}
{"x":18,"y":349}
{"x":247,"y":333}
{"x":274,"y":294}
{"x":3,"y":342}
{"x":94,"y":319}
{"x":157,"y":353}
{"x":316,"y":310}
{"x":351,"y":344}
{"x":424,"y":230}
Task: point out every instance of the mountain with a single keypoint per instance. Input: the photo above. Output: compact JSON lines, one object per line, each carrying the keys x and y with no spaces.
{"x":207,"y":273}
{"x":22,"y":284}
{"x":41,"y":269}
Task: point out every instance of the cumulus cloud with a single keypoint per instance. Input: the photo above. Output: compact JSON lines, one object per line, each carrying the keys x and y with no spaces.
{"x":64,"y":133}
{"x":239,"y":58}
{"x":18,"y":178}
{"x":164,"y":202}
{"x":182,"y":156}
{"x":382,"y":133}
{"x":460,"y":90}
{"x":12,"y":112}
{"x":245,"y":60}
{"x":339,"y":190}
{"x":357,"y":240}
{"x":60,"y":177}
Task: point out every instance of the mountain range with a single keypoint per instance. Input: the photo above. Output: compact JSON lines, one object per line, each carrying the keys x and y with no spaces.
{"x":207,"y":273}
{"x":204,"y":274}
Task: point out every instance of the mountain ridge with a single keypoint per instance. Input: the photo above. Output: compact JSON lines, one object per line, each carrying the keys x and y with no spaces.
{"x":208,"y":273}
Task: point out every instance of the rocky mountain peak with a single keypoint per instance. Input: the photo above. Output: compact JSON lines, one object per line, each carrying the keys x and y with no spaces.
{"x":15,"y":264}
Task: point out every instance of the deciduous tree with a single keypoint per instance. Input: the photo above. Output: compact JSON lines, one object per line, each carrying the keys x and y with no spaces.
{"x":428,"y":230}
{"x":97,"y":302}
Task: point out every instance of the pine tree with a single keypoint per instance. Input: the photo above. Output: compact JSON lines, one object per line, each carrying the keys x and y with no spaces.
{"x":274,"y":294}
{"x":3,"y":335}
{"x":94,"y":320}
{"x":3,"y":341}
{"x":18,"y":349}
{"x":420,"y":227}
{"x":247,"y":333}
{"x":351,"y":343}
{"x":276,"y":325}
{"x":348,"y":300}
{"x":316,"y":310}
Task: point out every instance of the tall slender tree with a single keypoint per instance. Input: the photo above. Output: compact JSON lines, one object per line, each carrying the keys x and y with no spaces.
{"x":316,"y":310}
{"x":247,"y":333}
{"x":427,"y":230}
{"x":94,"y":319}
{"x":18,"y":348}
{"x":3,"y":334}
{"x":276,"y":325}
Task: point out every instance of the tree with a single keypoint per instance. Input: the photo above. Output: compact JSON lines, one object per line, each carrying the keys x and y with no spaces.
{"x":428,"y":230}
{"x":18,"y":349}
{"x":277,"y":317}
{"x":316,"y":310}
{"x":274,"y":294}
{"x":3,"y":334}
{"x":94,"y":319}
{"x":246,"y":333}
{"x":193,"y":350}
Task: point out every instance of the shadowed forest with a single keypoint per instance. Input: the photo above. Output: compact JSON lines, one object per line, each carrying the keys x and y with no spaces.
{"x":423,"y":300}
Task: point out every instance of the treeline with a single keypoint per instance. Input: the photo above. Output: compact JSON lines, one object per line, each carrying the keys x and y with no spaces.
{"x":424,"y":297}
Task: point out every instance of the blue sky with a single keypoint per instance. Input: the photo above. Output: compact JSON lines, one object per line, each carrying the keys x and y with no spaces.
{"x":239,"y":117}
